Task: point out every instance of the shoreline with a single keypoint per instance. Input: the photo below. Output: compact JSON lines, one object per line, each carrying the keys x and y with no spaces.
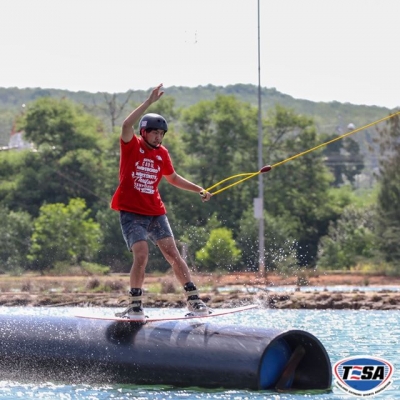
{"x":238,"y":289}
{"x":301,"y":299}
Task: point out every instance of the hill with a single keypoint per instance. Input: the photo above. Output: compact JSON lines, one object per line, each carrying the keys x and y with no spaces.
{"x":329,"y":117}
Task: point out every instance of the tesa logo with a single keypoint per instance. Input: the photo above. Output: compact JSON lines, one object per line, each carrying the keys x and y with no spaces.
{"x":363,"y":375}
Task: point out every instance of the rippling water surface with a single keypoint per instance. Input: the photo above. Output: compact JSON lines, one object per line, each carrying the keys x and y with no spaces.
{"x":343,"y":333}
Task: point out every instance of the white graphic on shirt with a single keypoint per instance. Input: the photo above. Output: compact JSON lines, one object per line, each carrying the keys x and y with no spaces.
{"x":145,"y":175}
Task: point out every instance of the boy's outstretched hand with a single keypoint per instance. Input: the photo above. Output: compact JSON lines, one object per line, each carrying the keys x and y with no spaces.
{"x":156,"y":93}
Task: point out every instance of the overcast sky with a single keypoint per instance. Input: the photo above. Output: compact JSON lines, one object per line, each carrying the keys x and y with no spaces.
{"x":320,"y":50}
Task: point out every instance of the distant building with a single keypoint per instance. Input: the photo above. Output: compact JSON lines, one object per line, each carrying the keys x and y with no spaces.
{"x":17,"y":141}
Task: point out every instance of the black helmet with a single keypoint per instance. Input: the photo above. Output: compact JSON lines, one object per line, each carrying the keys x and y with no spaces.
{"x":153,"y":121}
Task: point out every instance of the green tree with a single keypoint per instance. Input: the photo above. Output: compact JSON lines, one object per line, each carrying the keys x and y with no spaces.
{"x":67,"y":161}
{"x":298,"y":192}
{"x":220,"y":139}
{"x":64,"y":233}
{"x":11,"y":163}
{"x":350,"y":239}
{"x":196,"y":237}
{"x":216,"y":133}
{"x":220,"y":252}
{"x":113,"y":251}
{"x":388,"y":210}
{"x":59,"y":126}
{"x":15,"y":237}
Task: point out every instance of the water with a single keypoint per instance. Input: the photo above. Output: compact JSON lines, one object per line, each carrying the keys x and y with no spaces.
{"x":293,"y":288}
{"x":343,"y":333}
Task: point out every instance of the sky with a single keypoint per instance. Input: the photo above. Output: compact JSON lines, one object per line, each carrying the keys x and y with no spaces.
{"x":319,"y":50}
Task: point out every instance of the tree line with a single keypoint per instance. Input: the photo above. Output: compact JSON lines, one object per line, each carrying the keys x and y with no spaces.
{"x":54,"y":198}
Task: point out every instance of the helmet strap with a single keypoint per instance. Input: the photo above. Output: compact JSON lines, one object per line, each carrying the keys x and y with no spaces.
{"x":149,"y":144}
{"x":152,"y":146}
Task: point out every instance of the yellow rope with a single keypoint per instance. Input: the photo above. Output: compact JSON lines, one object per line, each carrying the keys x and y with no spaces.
{"x":253,"y":174}
{"x":334,"y":140}
{"x":228,"y":179}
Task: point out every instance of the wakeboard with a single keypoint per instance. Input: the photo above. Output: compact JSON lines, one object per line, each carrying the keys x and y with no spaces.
{"x":157,"y":318}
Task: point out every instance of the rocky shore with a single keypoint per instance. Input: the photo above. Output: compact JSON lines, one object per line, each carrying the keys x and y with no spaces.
{"x":318,"y":291}
{"x":300,"y":299}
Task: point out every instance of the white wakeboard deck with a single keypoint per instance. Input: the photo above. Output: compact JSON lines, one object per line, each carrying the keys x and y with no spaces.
{"x":155,"y":318}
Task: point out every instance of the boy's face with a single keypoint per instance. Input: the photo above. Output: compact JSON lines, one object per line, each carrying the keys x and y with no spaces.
{"x":154,"y":136}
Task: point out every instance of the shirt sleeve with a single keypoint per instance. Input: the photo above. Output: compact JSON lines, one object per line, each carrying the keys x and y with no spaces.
{"x":168,"y":167}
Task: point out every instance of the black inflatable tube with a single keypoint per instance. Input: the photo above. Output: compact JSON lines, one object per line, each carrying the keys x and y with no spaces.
{"x":182,"y":354}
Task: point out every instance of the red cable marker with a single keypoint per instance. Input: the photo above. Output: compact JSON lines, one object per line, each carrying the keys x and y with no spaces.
{"x":265,"y":168}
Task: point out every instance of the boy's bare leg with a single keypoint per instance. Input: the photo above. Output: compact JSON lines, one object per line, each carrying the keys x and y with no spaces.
{"x":140,"y":251}
{"x":178,"y":264}
{"x":182,"y":273}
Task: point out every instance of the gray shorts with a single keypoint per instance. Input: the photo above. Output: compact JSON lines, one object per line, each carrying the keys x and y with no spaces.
{"x":136,"y":227}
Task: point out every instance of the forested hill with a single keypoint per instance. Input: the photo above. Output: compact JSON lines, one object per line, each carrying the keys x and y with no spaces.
{"x":329,"y":117}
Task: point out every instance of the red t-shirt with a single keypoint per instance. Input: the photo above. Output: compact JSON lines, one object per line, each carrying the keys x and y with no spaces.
{"x":140,"y":172}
